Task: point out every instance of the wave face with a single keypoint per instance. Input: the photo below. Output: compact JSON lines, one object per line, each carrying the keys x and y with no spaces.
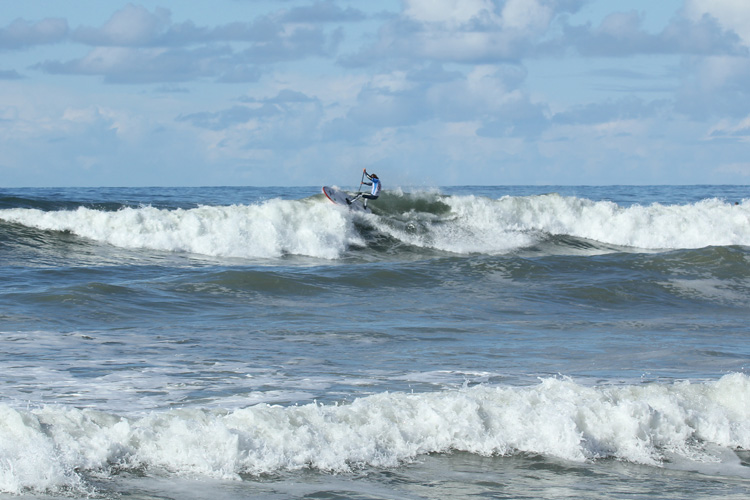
{"x":402,"y":223}
{"x":655,"y":424}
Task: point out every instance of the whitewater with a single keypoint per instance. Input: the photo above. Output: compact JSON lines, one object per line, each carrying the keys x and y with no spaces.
{"x":502,"y":342}
{"x":457,"y":224}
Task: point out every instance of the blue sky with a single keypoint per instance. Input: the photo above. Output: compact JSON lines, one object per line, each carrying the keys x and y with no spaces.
{"x":423,"y":92}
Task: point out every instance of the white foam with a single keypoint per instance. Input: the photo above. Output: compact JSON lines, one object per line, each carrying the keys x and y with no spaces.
{"x":268,"y":230}
{"x":313,"y":227}
{"x":706,"y":223}
{"x":654,"y":424}
{"x":474,"y":225}
{"x":482,"y":225}
{"x":28,"y":458}
{"x":709,"y":222}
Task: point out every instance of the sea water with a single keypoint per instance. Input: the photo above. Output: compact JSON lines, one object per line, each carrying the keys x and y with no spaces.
{"x":463,"y":342}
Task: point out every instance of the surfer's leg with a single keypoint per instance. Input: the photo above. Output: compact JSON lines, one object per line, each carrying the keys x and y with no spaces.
{"x":367,"y":197}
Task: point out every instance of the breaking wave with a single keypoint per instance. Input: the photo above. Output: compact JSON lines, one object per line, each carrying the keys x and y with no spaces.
{"x":652,"y":424}
{"x":432,"y":222}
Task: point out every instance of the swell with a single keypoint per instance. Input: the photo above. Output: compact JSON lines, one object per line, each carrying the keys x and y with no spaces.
{"x":710,"y":282}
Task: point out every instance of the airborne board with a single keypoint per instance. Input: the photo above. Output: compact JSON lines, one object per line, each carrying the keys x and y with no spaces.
{"x":341,"y":198}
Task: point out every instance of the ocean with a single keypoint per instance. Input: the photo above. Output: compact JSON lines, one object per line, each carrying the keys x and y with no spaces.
{"x":459,"y":342}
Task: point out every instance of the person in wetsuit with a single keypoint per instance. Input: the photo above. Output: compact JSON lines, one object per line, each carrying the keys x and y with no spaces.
{"x":374,"y":193}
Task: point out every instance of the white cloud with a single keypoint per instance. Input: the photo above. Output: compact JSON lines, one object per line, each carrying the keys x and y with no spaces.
{"x":622,"y":34}
{"x":467,"y":32}
{"x":141,"y":65}
{"x":137,"y":46}
{"x":527,"y":16}
{"x":130,"y":26}
{"x":731,"y":129}
{"x":452,"y":13}
{"x":731,"y":14}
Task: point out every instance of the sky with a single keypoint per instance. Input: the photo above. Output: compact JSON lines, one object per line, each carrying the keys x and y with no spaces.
{"x":421,"y":92}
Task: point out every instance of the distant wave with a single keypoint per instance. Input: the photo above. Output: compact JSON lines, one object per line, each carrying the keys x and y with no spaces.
{"x":653,"y":424}
{"x":313,"y":227}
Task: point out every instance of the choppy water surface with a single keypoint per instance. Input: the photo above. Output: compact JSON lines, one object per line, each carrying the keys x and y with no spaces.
{"x":504,"y":342}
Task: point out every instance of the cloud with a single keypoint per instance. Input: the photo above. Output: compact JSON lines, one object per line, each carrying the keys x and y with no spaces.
{"x":464,"y":31}
{"x":621,"y":34}
{"x":487,"y":99}
{"x":64,"y":135}
{"x":147,"y":65}
{"x":10,"y":75}
{"x":135,"y":26}
{"x":489,"y":96}
{"x":625,"y":108}
{"x":447,"y":82}
{"x":731,"y":130}
{"x":485,"y":93}
{"x":730,"y":14}
{"x":431,"y":73}
{"x":322,"y":12}
{"x":22,"y":34}
{"x":227,"y":118}
{"x":132,"y":26}
{"x":345,"y":130}
{"x":486,"y":31}
{"x":289,"y":119}
{"x":137,"y":46}
{"x":714,"y":86}
{"x":382,"y":107}
{"x":240,"y":73}
{"x":518,"y":117}
{"x":451,"y":12}
{"x":262,"y":29}
{"x":284,"y":96}
{"x":297,"y":43}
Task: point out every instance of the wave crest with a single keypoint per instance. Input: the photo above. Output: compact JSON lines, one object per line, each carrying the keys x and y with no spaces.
{"x":430,"y":221}
{"x":651,"y":424}
{"x":268,"y":230}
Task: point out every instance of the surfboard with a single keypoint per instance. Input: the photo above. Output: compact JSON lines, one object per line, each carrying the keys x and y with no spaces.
{"x":340,"y":197}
